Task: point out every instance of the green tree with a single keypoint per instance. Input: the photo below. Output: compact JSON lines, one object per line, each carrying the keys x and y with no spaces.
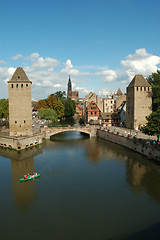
{"x":47,"y":113}
{"x":153,"y":125}
{"x":59,"y":108}
{"x":154,"y":80}
{"x":70,"y":108}
{"x":4,"y":111}
{"x":60,"y":95}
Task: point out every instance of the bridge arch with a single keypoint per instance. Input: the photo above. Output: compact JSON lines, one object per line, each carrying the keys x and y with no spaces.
{"x":91,"y":131}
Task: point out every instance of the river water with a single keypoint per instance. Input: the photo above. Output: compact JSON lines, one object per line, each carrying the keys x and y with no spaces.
{"x":88,"y":189}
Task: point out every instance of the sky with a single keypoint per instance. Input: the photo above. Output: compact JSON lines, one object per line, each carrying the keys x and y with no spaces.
{"x":101,"y":44}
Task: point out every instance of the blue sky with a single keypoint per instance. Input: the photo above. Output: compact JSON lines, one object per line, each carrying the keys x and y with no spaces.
{"x":102,"y":44}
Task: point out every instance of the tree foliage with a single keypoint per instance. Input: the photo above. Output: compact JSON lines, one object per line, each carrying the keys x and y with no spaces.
{"x":70,"y":108}
{"x":47,"y":113}
{"x":60,"y":95}
{"x":59,"y":108}
{"x":42,"y":104}
{"x":153,"y":126}
{"x":4,"y":111}
{"x":154,"y":80}
{"x":51,"y":101}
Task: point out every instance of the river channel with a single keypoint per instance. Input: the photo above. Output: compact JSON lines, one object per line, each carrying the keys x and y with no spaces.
{"x":89,"y":189}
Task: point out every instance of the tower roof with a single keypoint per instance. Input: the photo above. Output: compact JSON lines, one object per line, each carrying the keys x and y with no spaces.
{"x":139,"y":81}
{"x":19,"y":76}
{"x":119,"y":92}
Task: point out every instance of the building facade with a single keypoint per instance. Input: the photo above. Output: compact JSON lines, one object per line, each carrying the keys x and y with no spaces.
{"x":92,"y":112}
{"x":138,"y":102}
{"x":20,"y":107}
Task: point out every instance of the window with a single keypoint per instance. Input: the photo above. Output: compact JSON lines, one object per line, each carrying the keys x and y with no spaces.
{"x":144,"y":88}
{"x":148,"y":88}
{"x":137,"y":88}
{"x":27,"y":85}
{"x":91,"y":113}
{"x":17,"y":85}
{"x":15,"y":121}
{"x":95,"y":112}
{"x":12,"y":85}
{"x":24,"y":121}
{"x":22,"y":85}
{"x":111,"y":101}
{"x":141,"y":88}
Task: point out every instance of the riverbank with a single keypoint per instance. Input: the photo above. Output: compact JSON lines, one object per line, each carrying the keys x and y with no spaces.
{"x":136,"y":144}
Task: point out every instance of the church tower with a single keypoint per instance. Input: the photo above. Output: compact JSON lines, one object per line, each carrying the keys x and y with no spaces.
{"x":69,"y":92}
{"x":20,"y":107}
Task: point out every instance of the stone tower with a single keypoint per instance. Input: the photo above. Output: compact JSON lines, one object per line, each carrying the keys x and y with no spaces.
{"x":69,"y":91}
{"x":20,"y":107}
{"x":138,"y":102}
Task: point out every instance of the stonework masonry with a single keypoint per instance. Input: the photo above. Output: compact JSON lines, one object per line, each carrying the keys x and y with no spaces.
{"x":20,"y":108}
{"x":138,"y":102}
{"x":132,"y":144}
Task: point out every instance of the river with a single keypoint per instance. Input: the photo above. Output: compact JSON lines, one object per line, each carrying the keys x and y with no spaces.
{"x":89,"y":189}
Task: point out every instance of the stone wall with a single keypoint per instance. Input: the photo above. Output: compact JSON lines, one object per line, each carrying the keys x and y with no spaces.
{"x":134,"y":144}
{"x":20,"y":143}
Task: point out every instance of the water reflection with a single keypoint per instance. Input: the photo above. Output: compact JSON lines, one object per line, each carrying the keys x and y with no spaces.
{"x":24,"y":193}
{"x":82,"y":180}
{"x":141,"y":173}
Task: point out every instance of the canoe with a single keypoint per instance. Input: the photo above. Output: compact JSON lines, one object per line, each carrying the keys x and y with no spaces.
{"x":30,"y":178}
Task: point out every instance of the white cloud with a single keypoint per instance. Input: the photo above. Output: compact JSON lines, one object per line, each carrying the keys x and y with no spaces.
{"x":44,"y":63}
{"x":140,"y":63}
{"x":103,"y":92}
{"x":70,"y":70}
{"x":11,"y":70}
{"x":2,"y":62}
{"x":17,"y":57}
{"x":45,"y":80}
{"x":57,"y":85}
{"x":107,"y":75}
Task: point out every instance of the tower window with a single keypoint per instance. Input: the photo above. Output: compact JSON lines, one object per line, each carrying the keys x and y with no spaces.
{"x":16,"y":85}
{"x":12,"y":85}
{"x":24,"y":121}
{"x":22,"y":85}
{"x":137,"y":88}
{"x":26,"y":85}
{"x":15,"y":121}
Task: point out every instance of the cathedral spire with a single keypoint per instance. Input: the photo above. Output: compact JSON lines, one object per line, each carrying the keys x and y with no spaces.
{"x":69,"y":92}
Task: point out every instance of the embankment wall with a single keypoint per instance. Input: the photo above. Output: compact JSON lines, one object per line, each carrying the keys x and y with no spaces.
{"x":20,"y":143}
{"x":134,"y":144}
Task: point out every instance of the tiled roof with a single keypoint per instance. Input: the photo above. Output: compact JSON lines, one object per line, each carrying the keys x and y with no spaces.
{"x":19,"y":76}
{"x":139,"y":81}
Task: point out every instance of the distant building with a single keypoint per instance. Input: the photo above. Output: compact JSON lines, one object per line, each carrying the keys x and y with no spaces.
{"x":138,"y":102}
{"x":20,"y":107}
{"x":93,"y":97}
{"x":122,"y":113}
{"x":92,"y":112}
{"x":111,"y":119}
{"x":73,"y":95}
{"x":114,"y":100}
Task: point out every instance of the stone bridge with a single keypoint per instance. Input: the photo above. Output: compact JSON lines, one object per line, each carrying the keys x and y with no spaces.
{"x":90,"y":130}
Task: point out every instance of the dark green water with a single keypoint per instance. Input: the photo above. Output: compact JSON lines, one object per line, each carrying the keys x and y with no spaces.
{"x":88,"y":189}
